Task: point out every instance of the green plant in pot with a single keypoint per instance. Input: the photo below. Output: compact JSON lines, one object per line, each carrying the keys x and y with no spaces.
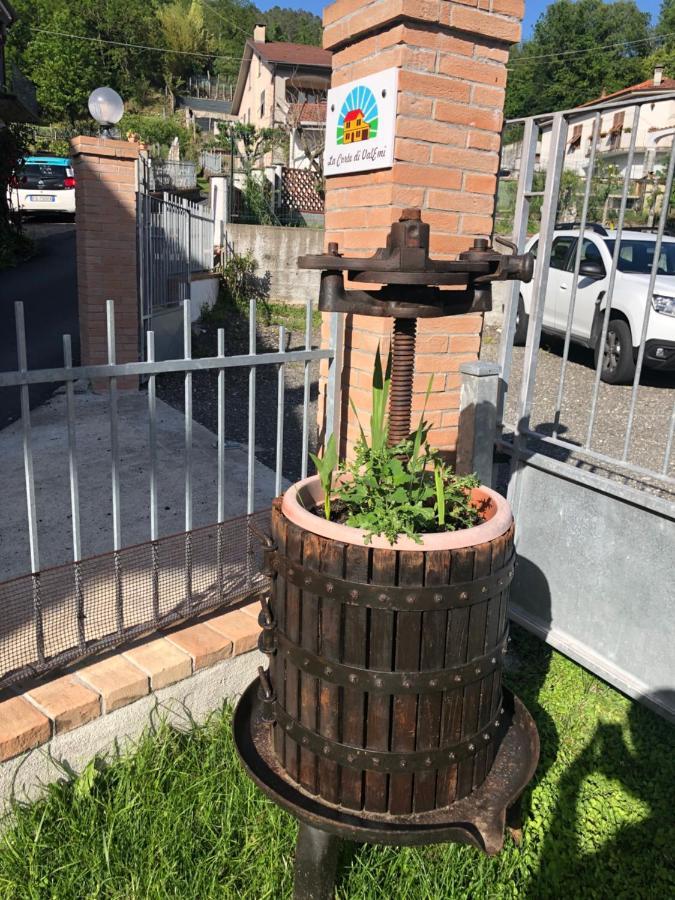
{"x":405,"y":489}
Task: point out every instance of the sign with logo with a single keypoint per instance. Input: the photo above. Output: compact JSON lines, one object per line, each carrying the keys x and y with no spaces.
{"x":361,"y":124}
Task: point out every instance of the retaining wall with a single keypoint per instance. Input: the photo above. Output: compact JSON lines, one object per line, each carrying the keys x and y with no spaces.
{"x":277,"y":249}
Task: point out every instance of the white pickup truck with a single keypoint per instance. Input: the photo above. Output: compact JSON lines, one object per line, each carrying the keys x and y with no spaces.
{"x":629,"y":301}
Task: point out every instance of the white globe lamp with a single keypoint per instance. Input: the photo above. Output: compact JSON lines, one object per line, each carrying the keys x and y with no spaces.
{"x":107,"y":108}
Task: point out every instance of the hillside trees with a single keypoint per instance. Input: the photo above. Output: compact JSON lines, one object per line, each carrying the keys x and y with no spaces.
{"x":545,"y":73}
{"x":69,"y":47}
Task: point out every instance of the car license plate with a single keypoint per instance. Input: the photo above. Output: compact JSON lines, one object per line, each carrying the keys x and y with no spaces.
{"x":47,"y":198}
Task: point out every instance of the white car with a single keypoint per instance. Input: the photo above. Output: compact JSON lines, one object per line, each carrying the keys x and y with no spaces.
{"x":43,"y":184}
{"x":629,"y":299}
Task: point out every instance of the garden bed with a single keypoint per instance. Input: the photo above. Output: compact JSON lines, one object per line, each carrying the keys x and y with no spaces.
{"x":178,"y":819}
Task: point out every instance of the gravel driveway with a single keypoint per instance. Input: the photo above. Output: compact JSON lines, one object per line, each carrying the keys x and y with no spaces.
{"x":651,"y":422}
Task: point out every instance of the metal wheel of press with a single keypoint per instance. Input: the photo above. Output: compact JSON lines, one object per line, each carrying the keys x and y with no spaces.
{"x":618,"y":359}
{"x":478,"y":819}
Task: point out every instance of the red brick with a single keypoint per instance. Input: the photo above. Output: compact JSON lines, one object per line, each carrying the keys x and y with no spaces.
{"x":481,"y":95}
{"x":459,"y":114}
{"x":460,"y":202}
{"x":238,"y":627}
{"x":434,"y":86}
{"x":471,"y":160}
{"x":485,"y":24}
{"x":116,"y":680}
{"x":472,"y":70}
{"x":203,"y":644}
{"x":66,"y":702}
{"x":514,"y":8}
{"x":162,"y":662}
{"x":412,"y":151}
{"x":435,"y":132}
{"x":22,"y":727}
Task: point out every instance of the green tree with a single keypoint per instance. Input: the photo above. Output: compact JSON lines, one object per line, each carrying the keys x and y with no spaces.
{"x":64,"y":71}
{"x":664,"y":54}
{"x":183,"y":30}
{"x":544,"y":74}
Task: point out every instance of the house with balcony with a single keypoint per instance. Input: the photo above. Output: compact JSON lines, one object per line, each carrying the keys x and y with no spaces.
{"x":653,"y":123}
{"x":284,"y":85}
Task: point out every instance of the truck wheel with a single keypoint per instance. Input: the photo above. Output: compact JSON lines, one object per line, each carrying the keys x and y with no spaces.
{"x":522,"y":318}
{"x":618,"y":361}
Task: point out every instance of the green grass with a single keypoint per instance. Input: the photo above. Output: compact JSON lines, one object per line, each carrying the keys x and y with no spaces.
{"x":178,"y":819}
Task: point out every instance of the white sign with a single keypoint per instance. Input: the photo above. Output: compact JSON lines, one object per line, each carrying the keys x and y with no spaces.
{"x":361,"y":124}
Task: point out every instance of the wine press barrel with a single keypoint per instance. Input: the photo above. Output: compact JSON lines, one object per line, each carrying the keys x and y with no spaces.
{"x":385,"y":681}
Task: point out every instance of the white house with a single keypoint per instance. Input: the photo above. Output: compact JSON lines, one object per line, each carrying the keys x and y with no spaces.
{"x":284,"y":85}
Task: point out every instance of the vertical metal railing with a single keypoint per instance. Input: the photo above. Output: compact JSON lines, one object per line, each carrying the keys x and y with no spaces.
{"x":539,"y":284}
{"x":22,"y":360}
{"x":118,"y":607}
{"x":584,"y":446}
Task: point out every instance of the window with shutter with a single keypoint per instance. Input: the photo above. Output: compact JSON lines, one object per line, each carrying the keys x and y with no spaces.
{"x":575,"y":140}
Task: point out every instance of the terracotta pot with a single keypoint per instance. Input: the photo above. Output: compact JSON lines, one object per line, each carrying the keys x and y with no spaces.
{"x":385,"y":661}
{"x":301,"y":497}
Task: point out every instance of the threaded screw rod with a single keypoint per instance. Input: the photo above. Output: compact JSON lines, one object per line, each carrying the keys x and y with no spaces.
{"x":402,"y":374}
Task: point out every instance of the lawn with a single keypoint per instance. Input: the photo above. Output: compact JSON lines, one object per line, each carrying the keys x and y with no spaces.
{"x":179,"y":819}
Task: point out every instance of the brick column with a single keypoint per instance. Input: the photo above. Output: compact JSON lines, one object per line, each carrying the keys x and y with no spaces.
{"x":452,"y":59}
{"x":105,"y":171}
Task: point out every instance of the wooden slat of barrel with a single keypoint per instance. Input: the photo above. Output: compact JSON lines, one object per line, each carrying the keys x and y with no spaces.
{"x":332,"y":563}
{"x":437,"y":571}
{"x":381,"y":647}
{"x":501,"y":625}
{"x":485,"y":705}
{"x":294,"y":553}
{"x":354,"y":653}
{"x":461,"y":569}
{"x":309,"y":637}
{"x":277,"y":663}
{"x":475,"y":644}
{"x":407,"y":656}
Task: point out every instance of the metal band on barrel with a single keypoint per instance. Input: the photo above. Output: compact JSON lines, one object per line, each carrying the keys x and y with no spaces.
{"x":379,"y":682}
{"x":394,"y":597}
{"x":386,"y":761}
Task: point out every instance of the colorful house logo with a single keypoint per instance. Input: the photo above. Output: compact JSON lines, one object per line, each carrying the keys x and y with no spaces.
{"x":358,"y":116}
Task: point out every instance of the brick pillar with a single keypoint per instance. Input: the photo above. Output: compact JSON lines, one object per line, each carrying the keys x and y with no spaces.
{"x":105,"y":171}
{"x":451,"y":58}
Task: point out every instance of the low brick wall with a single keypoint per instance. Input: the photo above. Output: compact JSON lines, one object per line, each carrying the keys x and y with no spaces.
{"x":277,"y":249}
{"x":114,"y":698}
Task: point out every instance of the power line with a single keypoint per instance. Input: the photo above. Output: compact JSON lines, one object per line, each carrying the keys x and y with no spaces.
{"x":659,"y":37}
{"x":223,"y":18}
{"x":97,"y":40}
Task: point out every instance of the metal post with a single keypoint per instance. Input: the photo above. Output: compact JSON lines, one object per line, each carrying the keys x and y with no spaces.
{"x":477,"y":420}
{"x":316,"y":857}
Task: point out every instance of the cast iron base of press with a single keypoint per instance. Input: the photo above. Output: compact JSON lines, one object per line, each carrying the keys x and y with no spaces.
{"x":478,"y":820}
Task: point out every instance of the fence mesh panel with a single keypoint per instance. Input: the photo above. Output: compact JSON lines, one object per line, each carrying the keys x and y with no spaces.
{"x":66,"y":613}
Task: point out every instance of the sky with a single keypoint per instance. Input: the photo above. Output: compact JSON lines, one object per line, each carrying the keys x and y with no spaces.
{"x":533,"y":9}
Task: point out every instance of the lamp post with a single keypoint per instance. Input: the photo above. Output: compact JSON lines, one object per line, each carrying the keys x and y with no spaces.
{"x":107,"y":108}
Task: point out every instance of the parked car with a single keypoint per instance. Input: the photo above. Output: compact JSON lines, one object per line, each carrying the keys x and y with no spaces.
{"x":630,"y":296}
{"x":44,"y":184}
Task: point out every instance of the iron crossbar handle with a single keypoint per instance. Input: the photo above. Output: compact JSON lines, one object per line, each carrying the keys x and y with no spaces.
{"x":389,"y":761}
{"x":393,"y":597}
{"x":380,"y":682}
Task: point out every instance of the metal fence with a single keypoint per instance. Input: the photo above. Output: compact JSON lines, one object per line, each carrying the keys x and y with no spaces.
{"x":586,"y":425}
{"x":167,"y":175}
{"x":210,"y":162}
{"x":58,"y":615}
{"x":176,"y":239}
{"x":582,"y":447}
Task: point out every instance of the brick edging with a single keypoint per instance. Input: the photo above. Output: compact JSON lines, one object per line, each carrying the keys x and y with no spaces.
{"x":57,"y":705}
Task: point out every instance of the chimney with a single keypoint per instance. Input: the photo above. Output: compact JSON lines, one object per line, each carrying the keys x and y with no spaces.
{"x":259,"y":34}
{"x":658,"y":75}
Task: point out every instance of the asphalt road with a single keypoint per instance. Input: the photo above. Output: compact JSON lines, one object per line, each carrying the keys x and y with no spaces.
{"x":47,"y":285}
{"x":651,"y":422}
